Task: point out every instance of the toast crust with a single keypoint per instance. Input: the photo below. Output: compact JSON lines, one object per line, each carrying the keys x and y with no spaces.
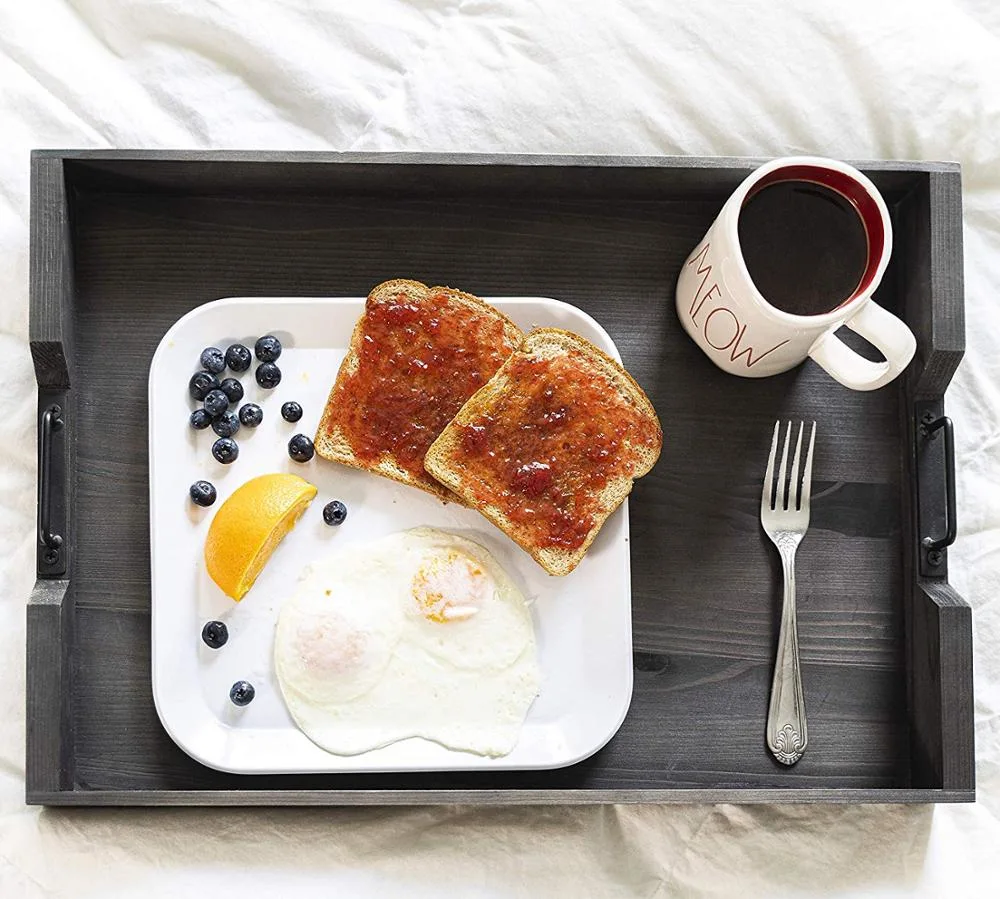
{"x":333,"y":441}
{"x":444,"y":458}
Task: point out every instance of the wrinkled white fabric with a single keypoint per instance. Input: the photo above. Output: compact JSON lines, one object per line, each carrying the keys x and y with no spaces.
{"x":856,"y":79}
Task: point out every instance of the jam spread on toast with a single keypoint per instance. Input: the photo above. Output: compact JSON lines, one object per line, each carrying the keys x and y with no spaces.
{"x":549,"y":444}
{"x":418,"y":362}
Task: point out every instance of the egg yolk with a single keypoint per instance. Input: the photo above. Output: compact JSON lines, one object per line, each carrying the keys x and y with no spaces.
{"x":451,"y":587}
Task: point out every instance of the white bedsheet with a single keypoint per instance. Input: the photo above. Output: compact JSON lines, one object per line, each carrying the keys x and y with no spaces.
{"x":854,"y":79}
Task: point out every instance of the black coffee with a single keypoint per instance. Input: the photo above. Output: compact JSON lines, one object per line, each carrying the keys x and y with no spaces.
{"x":805,"y":246}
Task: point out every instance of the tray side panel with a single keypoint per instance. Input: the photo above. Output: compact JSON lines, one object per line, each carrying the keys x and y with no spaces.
{"x":51,"y":273}
{"x":938,"y":623}
{"x":941,"y":691}
{"x":513,"y":796}
{"x":49,"y":746}
{"x":929,"y":225}
{"x":429,"y":175}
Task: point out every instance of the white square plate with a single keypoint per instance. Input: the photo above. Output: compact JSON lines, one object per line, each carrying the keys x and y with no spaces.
{"x":583,"y":621}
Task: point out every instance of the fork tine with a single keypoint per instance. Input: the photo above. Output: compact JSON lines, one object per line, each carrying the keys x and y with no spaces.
{"x":794,"y":495}
{"x":781,"y":494}
{"x":807,"y":473}
{"x":765,"y":497}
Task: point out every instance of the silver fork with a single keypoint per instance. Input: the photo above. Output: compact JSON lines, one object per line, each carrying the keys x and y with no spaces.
{"x":785,"y":519}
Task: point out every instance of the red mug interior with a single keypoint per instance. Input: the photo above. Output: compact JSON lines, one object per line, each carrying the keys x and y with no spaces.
{"x":856,"y":194}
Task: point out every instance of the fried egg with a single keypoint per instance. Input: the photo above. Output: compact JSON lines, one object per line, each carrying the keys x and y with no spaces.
{"x":418,"y":634}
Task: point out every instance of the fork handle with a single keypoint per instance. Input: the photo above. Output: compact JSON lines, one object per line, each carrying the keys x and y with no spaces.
{"x":786,"y":717}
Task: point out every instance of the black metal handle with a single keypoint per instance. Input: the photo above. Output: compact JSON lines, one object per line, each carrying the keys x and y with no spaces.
{"x":51,"y":422}
{"x":929,"y":431}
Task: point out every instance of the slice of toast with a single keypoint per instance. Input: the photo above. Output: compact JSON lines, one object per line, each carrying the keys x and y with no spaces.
{"x":551,"y":446}
{"x":416,"y":355}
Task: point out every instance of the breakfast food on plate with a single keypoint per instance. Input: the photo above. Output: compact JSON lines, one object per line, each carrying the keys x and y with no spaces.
{"x":215,"y":634}
{"x":202,"y":493}
{"x":213,"y":359}
{"x":249,"y":526}
{"x":251,"y":415}
{"x":220,"y":398}
{"x":291,"y":411}
{"x":200,"y":419}
{"x":417,"y":634}
{"x":550,"y":447}
{"x":267,"y":348}
{"x":268,"y":375}
{"x":232,"y":388}
{"x":238,"y":357}
{"x":334,"y":512}
{"x":227,"y":424}
{"x":300,"y":448}
{"x":225,"y":450}
{"x":416,"y":355}
{"x":216,"y":402}
{"x":201,"y":383}
{"x":242,"y":693}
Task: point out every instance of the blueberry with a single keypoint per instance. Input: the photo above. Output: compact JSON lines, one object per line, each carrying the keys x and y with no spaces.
{"x":291,"y":411}
{"x":213,"y":359}
{"x":334,"y":512}
{"x":200,"y":419}
{"x":225,"y":450}
{"x":268,"y":348}
{"x":226,"y":424}
{"x":268,"y":375}
{"x":300,"y":448}
{"x":202,"y":493}
{"x":251,"y":415}
{"x":215,"y":634}
{"x":238,"y":357}
{"x":242,"y":693}
{"x":233,"y":389}
{"x":216,"y":402}
{"x":201,"y":383}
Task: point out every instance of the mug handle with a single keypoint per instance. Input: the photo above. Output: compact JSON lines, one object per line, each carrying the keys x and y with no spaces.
{"x":880,"y":328}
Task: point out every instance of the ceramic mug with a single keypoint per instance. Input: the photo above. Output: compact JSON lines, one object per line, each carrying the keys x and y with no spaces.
{"x":742,"y":333}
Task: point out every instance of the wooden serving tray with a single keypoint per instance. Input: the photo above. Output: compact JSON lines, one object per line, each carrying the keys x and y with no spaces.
{"x":125,"y":242}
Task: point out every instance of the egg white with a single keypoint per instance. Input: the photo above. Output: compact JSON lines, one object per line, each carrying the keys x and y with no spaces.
{"x":335,"y":650}
{"x":418,"y":634}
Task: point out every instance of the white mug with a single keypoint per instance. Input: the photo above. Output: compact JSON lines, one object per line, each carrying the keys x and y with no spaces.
{"x":742,"y":333}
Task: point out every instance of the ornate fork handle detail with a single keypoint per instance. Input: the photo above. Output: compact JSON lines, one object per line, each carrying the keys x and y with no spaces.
{"x":787,"y":746}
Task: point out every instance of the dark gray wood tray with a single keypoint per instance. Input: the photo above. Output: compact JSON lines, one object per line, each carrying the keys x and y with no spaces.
{"x":124,"y":243}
